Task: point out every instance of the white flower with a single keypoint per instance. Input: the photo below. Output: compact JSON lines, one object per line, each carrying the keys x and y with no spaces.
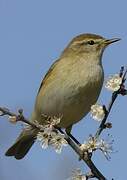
{"x":51,"y":120}
{"x":77,"y":175}
{"x":55,"y":120}
{"x":38,"y":124}
{"x":13,"y":119}
{"x":89,"y":145}
{"x":45,"y":137}
{"x":97,"y":112}
{"x":93,"y":144}
{"x":105,"y":147}
{"x":1,"y":113}
{"x":58,"y":141}
{"x":53,"y":138}
{"x":113,"y":83}
{"x":50,"y":136}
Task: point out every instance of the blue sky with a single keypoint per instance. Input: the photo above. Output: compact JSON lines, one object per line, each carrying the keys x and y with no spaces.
{"x":32,"y":35}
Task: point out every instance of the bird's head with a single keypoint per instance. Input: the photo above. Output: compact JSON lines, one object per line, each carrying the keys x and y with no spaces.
{"x":89,"y":43}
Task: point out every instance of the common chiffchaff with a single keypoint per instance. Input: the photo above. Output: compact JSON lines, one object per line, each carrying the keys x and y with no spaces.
{"x":72,"y":84}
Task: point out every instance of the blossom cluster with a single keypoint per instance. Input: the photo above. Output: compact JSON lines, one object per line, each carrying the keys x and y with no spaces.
{"x":77,"y":175}
{"x":113,"y":84}
{"x":49,"y":136}
{"x":97,"y":112}
{"x":93,"y":144}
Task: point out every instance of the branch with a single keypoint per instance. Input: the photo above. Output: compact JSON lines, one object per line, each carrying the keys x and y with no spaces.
{"x":19,"y":117}
{"x":84,"y":156}
{"x":115,"y":94}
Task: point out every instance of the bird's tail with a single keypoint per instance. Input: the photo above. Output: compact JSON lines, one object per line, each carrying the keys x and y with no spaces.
{"x":22,"y":145}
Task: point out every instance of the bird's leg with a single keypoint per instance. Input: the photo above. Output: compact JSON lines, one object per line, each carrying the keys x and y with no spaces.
{"x":73,"y":138}
{"x":68,"y":131}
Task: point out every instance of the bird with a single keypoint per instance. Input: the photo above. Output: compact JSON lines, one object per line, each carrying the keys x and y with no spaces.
{"x":70,"y":87}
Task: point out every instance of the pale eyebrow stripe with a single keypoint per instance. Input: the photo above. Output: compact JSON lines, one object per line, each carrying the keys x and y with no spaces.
{"x":83,"y":41}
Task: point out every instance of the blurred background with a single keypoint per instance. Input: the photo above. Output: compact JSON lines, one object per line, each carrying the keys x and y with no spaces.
{"x":32,"y":35}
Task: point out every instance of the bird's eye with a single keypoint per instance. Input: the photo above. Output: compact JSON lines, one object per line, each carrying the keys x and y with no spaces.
{"x":91,"y":42}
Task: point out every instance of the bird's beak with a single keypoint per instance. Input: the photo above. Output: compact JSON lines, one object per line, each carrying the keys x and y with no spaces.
{"x":110,"y":41}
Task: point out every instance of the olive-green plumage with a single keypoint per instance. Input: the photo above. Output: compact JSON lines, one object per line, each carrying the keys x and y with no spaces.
{"x":72,"y":84}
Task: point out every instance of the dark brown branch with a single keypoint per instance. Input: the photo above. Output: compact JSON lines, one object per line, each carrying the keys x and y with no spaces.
{"x":102,"y":125}
{"x":115,"y":94}
{"x":19,"y":117}
{"x":85,"y":157}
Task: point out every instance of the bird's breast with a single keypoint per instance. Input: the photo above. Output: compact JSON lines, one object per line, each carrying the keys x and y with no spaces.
{"x":70,"y":94}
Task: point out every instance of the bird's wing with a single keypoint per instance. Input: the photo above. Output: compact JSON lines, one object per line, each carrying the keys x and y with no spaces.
{"x":48,"y":74}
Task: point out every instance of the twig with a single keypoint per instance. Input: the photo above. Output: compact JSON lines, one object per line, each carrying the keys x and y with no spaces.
{"x":19,"y":117}
{"x":113,"y":98}
{"x":102,"y":125}
{"x":85,"y":157}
